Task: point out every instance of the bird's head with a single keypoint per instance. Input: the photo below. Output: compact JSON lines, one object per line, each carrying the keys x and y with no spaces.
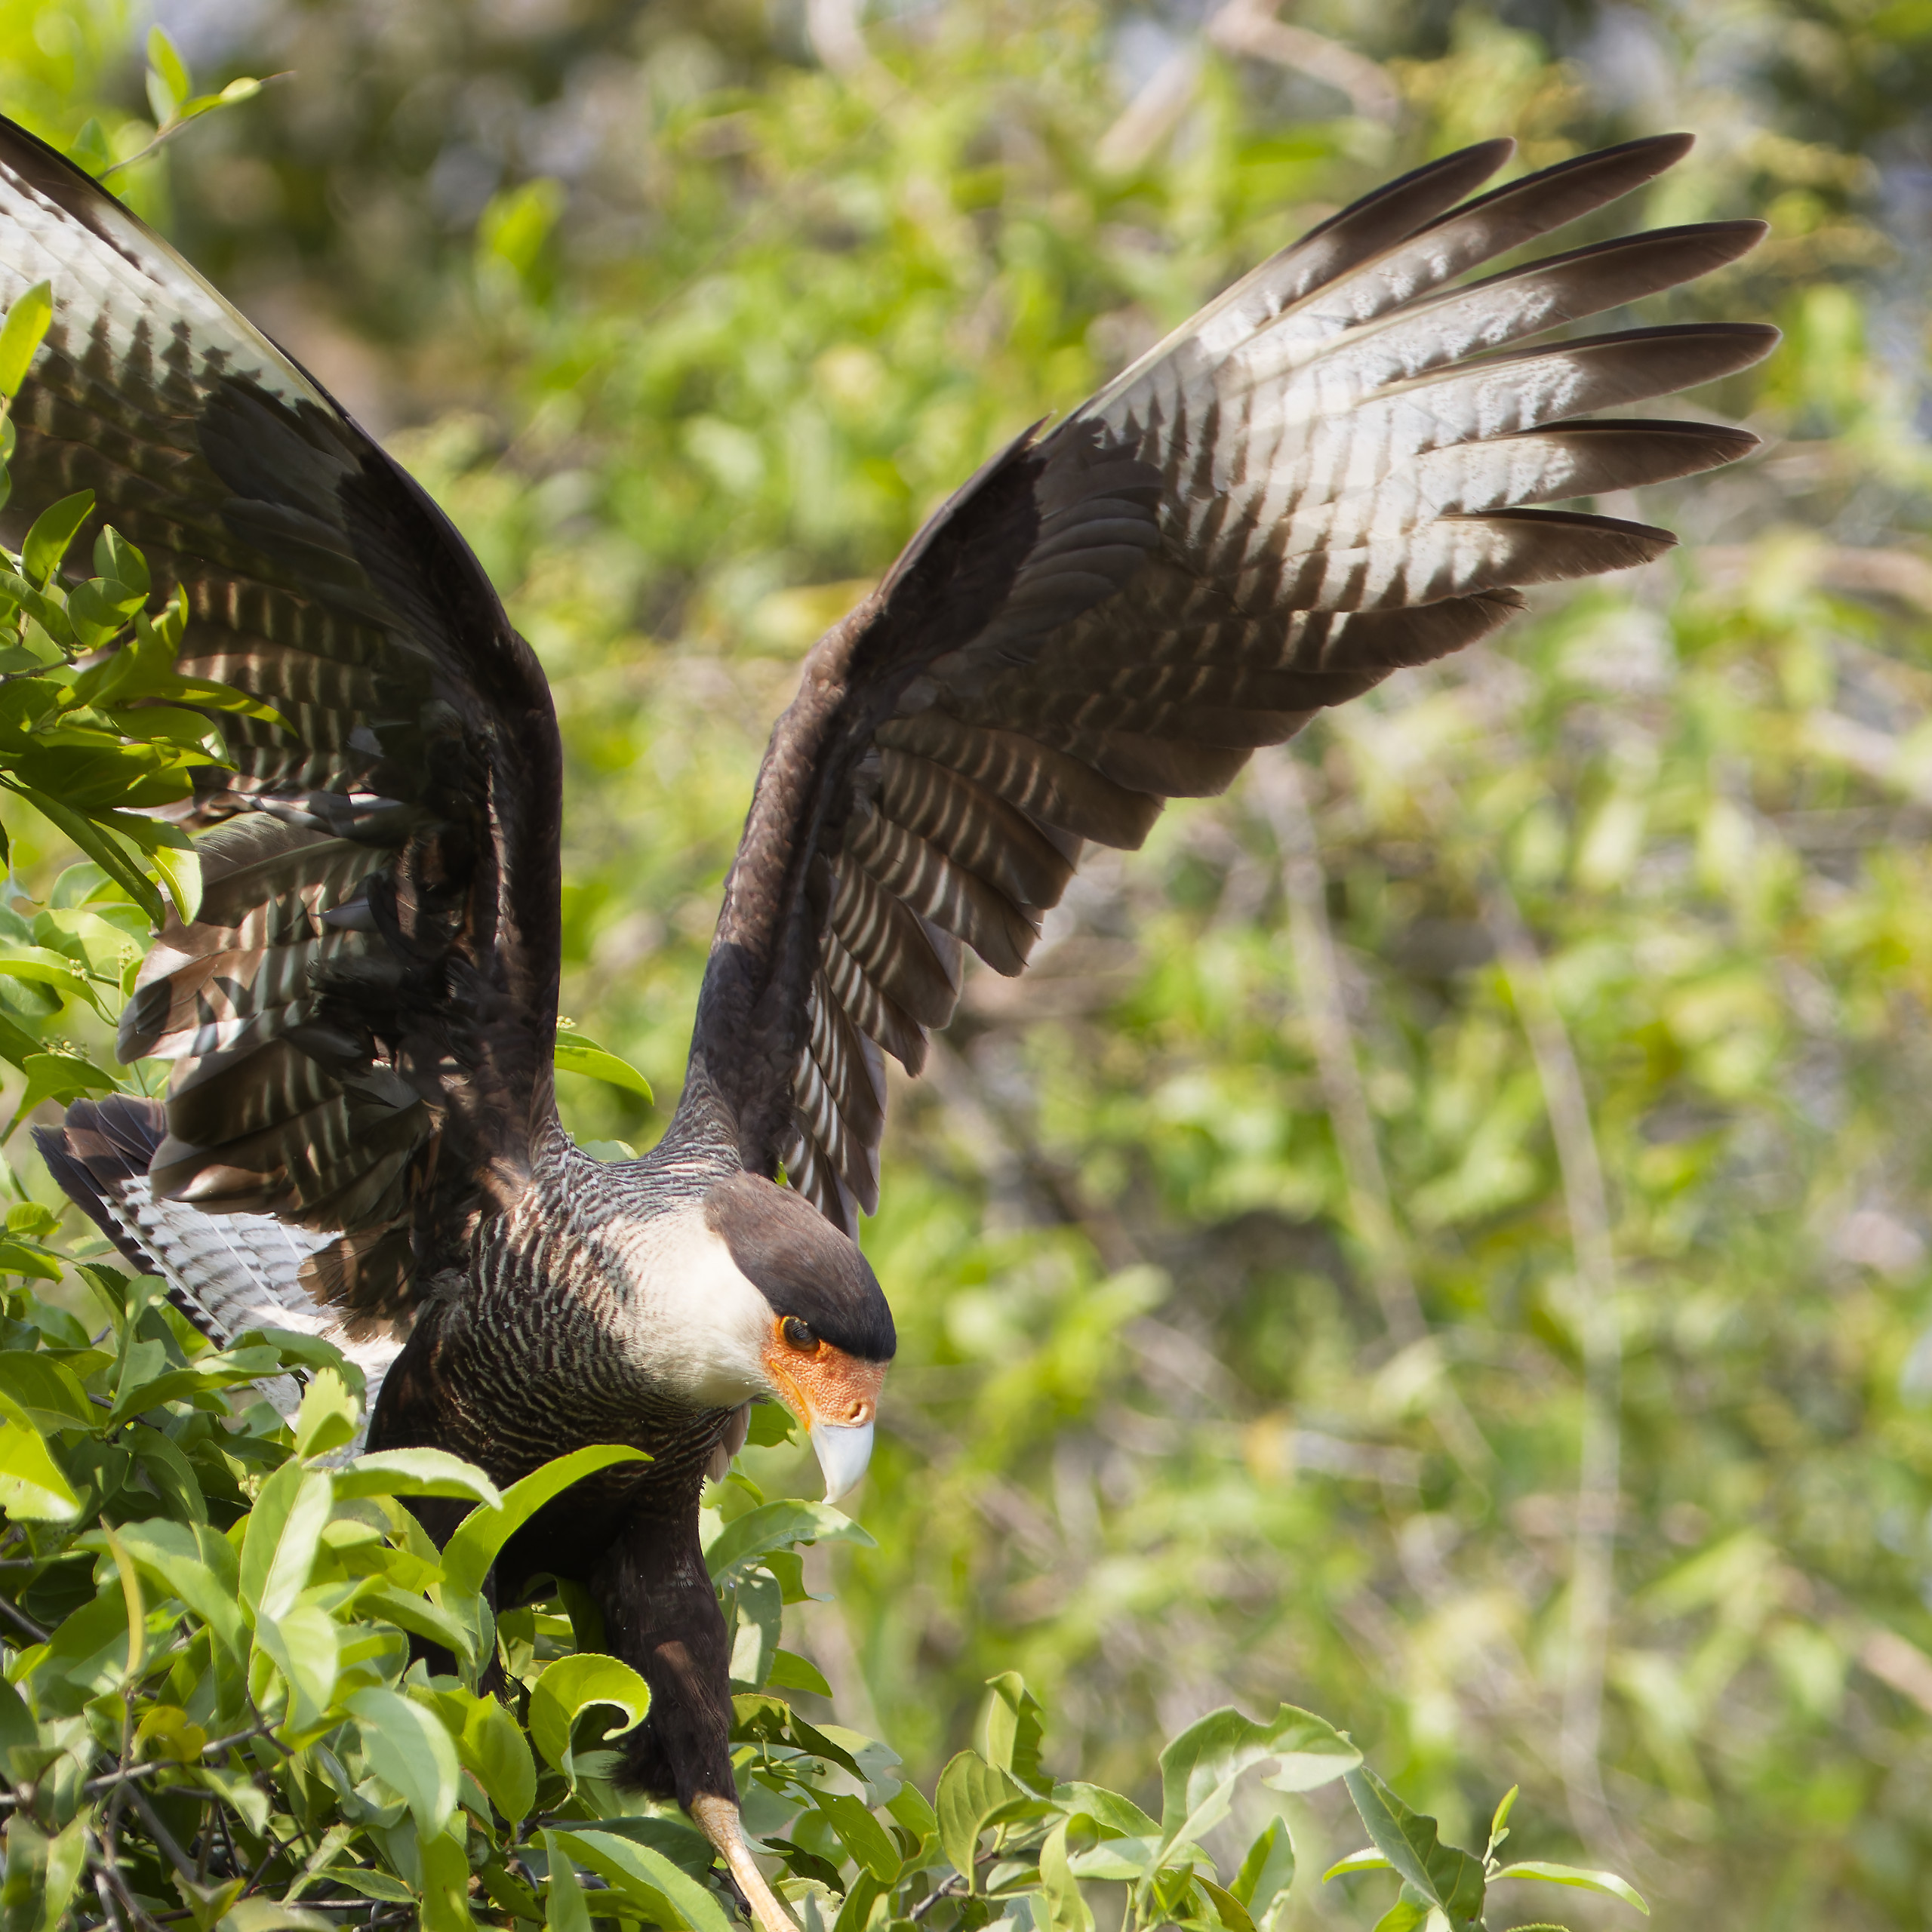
{"x":799,"y":1316}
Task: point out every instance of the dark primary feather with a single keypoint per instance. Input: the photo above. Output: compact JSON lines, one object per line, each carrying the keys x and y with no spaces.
{"x":362,"y":1017}
{"x":1335,"y":469}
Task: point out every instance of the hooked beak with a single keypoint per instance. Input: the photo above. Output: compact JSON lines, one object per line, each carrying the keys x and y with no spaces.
{"x":836,"y":1395}
{"x":843,"y":1454}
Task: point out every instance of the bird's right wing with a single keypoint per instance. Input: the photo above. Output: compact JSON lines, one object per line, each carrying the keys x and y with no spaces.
{"x":1336,"y":469}
{"x":362,"y":1016}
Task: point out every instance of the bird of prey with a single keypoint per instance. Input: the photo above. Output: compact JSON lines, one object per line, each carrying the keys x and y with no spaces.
{"x":1337,"y":468}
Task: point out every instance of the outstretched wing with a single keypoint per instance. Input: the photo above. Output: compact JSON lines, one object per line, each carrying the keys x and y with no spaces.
{"x":1331,"y":472}
{"x":362,"y":1016}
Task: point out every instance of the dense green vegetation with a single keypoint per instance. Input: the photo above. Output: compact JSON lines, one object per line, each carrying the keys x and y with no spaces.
{"x":1439,"y":1237}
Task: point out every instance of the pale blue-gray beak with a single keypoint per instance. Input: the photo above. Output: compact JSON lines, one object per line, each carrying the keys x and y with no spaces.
{"x":843,"y":1454}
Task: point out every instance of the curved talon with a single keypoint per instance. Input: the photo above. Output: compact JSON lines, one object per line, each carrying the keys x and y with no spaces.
{"x":717,"y":1818}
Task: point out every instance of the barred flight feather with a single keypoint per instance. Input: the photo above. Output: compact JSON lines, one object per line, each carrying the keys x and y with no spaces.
{"x":1337,"y":469}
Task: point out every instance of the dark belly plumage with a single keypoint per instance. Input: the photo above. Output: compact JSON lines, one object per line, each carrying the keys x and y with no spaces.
{"x":524,"y":1366}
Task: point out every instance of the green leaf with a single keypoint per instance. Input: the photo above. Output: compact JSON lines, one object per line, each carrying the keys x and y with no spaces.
{"x":972,"y":1796}
{"x":759,"y":1606}
{"x":328,"y":1416}
{"x":409,"y":1749}
{"x":771,"y":1425}
{"x":909,"y":1809}
{"x":790,"y":1671}
{"x":571,"y":1685}
{"x":648,"y":1877}
{"x":294,"y":1556}
{"x":776,"y":1526}
{"x":305,"y":1644}
{"x":1404,"y":1914}
{"x":1200,"y":1768}
{"x":267,"y":1916}
{"x":1015,"y":1724}
{"x":117,"y":560}
{"x":1449,"y":1878}
{"x":41,"y":966}
{"x":265,"y":1522}
{"x":1498,"y":1823}
{"x":1067,"y":1909}
{"x":198,"y":1566}
{"x":415,"y":1472}
{"x":564,"y":1910}
{"x":415,"y":1613}
{"x":166,"y":65}
{"x":32,"y":1486}
{"x":861,"y":1834}
{"x":494,"y":1747}
{"x":1266,"y":1873}
{"x":574,"y":1054}
{"x":1232,"y":1914}
{"x":181,"y":873}
{"x":1367,"y":1859}
{"x":49,"y":1391}
{"x":101,"y":846}
{"x":470,"y":1552}
{"x":21,"y":335}
{"x":53,"y":530}
{"x":1570,"y":1875}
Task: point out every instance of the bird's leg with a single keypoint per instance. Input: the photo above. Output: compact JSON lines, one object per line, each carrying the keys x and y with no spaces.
{"x":718,"y":1819}
{"x":661,"y":1617}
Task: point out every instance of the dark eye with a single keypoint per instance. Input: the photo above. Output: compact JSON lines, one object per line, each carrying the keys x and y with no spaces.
{"x":799,"y":1333}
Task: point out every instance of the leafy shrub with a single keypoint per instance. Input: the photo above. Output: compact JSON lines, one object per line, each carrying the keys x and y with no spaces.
{"x":210,"y":1711}
{"x":209,"y":1701}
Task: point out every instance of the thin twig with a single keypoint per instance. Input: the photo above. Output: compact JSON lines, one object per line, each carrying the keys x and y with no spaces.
{"x":163,"y":135}
{"x":110,"y":1915}
{"x":159,"y":1833}
{"x":24,"y":1620}
{"x":1278,"y":786}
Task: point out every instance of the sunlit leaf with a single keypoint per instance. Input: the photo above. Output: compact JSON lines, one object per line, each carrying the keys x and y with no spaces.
{"x":469,"y":1552}
{"x":1266,"y":1873}
{"x":1200,"y":1768}
{"x":1015,"y":1724}
{"x":411,"y":1751}
{"x":973,"y":1797}
{"x":21,"y":334}
{"x":53,"y":531}
{"x":774,"y":1526}
{"x":1449,"y":1879}
{"x":328,"y":1417}
{"x":576,"y":1055}
{"x":32,"y":1486}
{"x":166,"y":67}
{"x":1607,"y":1882}
{"x":570,"y":1686}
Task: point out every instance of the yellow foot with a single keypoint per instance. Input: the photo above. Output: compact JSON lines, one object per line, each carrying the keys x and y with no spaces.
{"x":717,"y":1818}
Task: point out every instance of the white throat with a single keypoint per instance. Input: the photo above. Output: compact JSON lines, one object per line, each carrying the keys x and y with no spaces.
{"x":697,"y":1324}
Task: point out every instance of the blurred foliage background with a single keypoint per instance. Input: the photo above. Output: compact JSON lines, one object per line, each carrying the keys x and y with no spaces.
{"x":1441,"y":1235}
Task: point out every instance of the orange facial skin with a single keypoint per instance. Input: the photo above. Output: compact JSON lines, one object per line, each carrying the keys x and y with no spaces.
{"x":817,"y":1383}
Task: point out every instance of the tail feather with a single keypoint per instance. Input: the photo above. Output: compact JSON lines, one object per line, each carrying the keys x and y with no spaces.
{"x":225,"y":1273}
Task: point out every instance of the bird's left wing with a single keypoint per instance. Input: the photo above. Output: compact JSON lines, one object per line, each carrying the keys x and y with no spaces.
{"x":1331,"y":472}
{"x":362,"y":1016}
